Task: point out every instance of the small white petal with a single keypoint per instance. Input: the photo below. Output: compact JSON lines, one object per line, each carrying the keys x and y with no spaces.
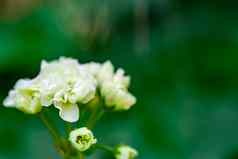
{"x":124,"y":100}
{"x":122,"y":80}
{"x":23,"y":83}
{"x":106,"y":72}
{"x":46,"y":100}
{"x":43,"y":64}
{"x":10,"y":100}
{"x":69,"y":113}
{"x":92,"y":67}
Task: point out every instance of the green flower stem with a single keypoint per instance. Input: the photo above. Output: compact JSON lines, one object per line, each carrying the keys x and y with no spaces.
{"x":105,"y":148}
{"x":49,"y":126}
{"x":82,"y":117}
{"x":81,"y":156}
{"x":54,"y":133}
{"x":95,"y":116}
{"x":68,"y":128}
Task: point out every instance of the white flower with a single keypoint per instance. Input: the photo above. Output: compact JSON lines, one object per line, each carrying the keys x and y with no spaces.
{"x":52,"y":77}
{"x":125,"y":152}
{"x":68,"y":111}
{"x":25,"y":96}
{"x":55,"y":75}
{"x":115,"y":97}
{"x":82,"y":139}
{"x":114,"y":87}
{"x":65,"y":84}
{"x":67,"y":98}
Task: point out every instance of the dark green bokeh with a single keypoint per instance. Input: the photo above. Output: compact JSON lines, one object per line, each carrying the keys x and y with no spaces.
{"x":182,"y":57}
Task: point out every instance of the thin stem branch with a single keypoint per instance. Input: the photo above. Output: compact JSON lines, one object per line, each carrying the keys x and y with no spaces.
{"x":54,"y":133}
{"x":49,"y":126}
{"x":68,"y":128}
{"x":81,"y":156}
{"x":95,"y":116}
{"x":105,"y":148}
{"x":82,"y":117}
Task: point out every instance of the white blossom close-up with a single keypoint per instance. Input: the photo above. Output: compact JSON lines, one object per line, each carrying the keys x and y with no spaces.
{"x":82,"y":139}
{"x":73,"y":85}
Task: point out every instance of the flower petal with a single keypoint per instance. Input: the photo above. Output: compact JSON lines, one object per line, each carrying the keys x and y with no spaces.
{"x":10,"y":100}
{"x":69,"y":113}
{"x":46,"y":100}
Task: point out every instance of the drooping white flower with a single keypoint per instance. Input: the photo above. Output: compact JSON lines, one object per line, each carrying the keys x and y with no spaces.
{"x":125,"y":152}
{"x":25,"y":96}
{"x":82,"y":139}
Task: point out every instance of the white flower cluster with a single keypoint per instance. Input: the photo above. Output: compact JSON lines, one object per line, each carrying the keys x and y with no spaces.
{"x":65,"y":84}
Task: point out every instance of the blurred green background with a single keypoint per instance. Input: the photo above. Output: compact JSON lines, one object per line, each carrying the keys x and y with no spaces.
{"x":182,"y":57}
